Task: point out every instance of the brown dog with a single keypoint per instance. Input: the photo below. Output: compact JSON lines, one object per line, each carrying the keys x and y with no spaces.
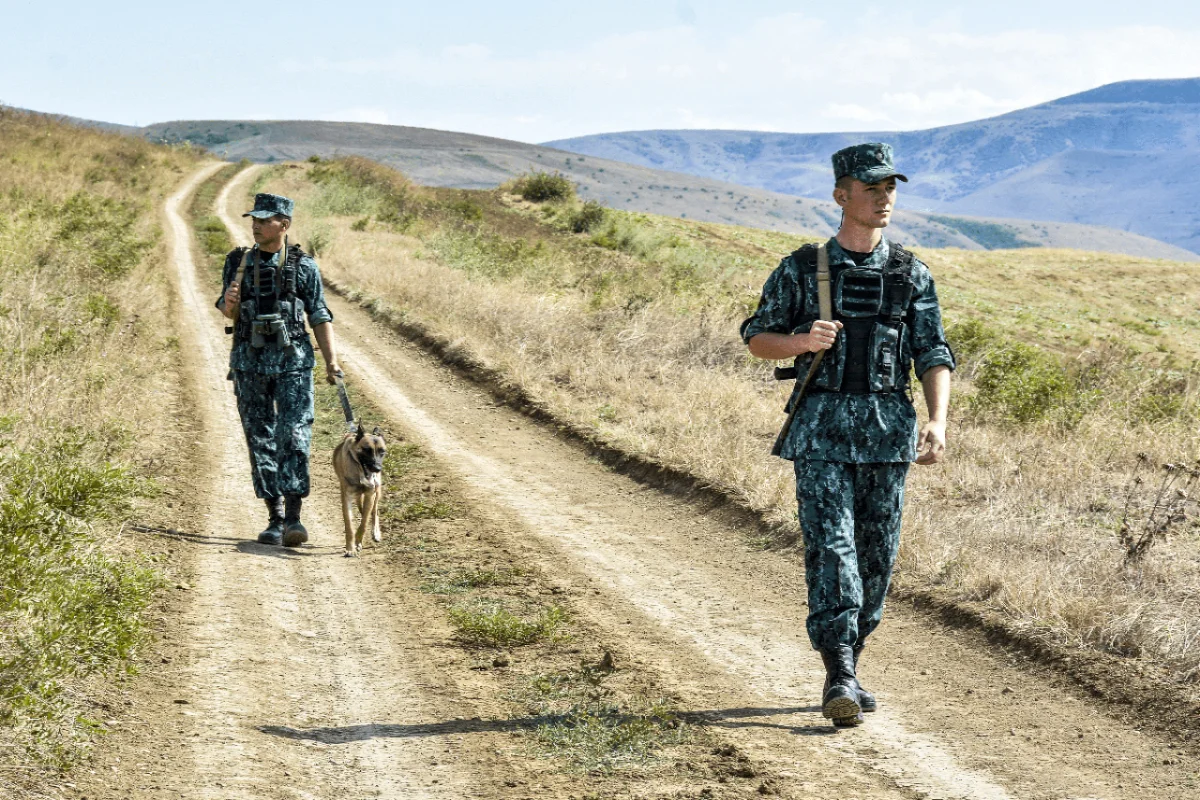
{"x":358,"y":462}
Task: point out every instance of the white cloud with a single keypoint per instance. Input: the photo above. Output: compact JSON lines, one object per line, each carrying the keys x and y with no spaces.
{"x":790,"y":72}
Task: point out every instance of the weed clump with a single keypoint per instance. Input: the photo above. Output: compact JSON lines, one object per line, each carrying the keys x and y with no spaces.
{"x":595,"y":729}
{"x":489,"y":624}
{"x":541,"y":187}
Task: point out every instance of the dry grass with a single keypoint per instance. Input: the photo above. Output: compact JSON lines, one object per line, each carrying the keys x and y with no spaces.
{"x":630,"y":331}
{"x":86,"y":393}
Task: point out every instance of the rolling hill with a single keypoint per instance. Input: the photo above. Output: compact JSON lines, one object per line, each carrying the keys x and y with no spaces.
{"x":443,"y":158}
{"x":1120,"y":156}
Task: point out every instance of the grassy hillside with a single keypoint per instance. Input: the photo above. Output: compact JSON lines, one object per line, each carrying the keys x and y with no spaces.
{"x":1077,"y":384}
{"x":86,"y":400}
{"x":447,"y":159}
{"x":1106,"y":157}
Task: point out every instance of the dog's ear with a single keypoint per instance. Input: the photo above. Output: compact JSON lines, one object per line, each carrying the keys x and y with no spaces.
{"x":377,"y":431}
{"x":361,"y":433}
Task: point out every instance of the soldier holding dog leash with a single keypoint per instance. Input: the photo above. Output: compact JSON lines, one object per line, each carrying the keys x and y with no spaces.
{"x":269,"y":290}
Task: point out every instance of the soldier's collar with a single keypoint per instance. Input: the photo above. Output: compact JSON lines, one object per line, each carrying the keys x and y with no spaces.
{"x":877,"y":260}
{"x":267,"y":258}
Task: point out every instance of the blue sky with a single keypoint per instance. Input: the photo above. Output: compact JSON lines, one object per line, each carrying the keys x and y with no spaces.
{"x":538,"y":70}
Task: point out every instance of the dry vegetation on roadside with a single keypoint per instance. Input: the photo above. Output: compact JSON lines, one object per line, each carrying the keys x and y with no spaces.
{"x":86,"y":395}
{"x":1078,"y":371}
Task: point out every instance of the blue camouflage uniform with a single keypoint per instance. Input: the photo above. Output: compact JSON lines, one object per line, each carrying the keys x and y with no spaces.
{"x":850,"y":451}
{"x":274,"y":384}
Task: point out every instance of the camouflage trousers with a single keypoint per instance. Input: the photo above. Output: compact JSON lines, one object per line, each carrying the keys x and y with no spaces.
{"x":277,"y":418}
{"x":850,"y":514}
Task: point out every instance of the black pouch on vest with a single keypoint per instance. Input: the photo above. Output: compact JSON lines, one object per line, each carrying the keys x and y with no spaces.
{"x":885,"y":356}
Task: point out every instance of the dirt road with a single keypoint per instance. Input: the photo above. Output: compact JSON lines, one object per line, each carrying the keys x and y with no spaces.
{"x":306,"y":640}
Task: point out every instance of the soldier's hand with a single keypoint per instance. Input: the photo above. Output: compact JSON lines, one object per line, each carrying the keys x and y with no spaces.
{"x":233,"y":295}
{"x":333,"y":372}
{"x":822,"y":336}
{"x":931,"y":445}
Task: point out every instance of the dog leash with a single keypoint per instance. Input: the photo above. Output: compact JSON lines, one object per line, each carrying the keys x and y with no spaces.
{"x":351,"y":425}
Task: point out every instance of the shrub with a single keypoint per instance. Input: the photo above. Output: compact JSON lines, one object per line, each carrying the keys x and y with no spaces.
{"x":587,"y":217}
{"x":319,"y":238}
{"x":467,"y":209}
{"x":1020,"y":383}
{"x":539,"y":187}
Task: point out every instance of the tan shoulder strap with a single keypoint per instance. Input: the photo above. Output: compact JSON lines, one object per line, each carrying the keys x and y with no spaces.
{"x":825,"y":300}
{"x":824,"y":294}
{"x":241,"y":270}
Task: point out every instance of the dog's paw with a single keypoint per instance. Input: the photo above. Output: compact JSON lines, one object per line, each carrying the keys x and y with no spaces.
{"x":349,"y":554}
{"x":376,"y":537}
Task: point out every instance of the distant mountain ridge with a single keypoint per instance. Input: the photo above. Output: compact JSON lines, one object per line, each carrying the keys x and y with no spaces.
{"x":1123,"y":156}
{"x":444,"y":158}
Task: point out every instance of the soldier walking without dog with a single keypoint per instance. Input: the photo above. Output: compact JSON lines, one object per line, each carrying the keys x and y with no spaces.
{"x":857,"y":313}
{"x":268,"y":291}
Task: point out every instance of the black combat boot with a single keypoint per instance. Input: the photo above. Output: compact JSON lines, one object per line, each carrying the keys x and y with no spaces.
{"x":865,"y":698}
{"x":294,"y":533}
{"x":840,"y":699}
{"x":274,"y":532}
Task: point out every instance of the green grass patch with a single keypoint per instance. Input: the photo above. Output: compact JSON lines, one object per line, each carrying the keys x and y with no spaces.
{"x":593,"y":728}
{"x":66,"y":609}
{"x":465,"y":580}
{"x":487,"y":623}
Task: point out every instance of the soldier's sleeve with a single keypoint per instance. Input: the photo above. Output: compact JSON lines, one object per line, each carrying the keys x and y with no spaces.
{"x":927,"y":338}
{"x":313,"y":293}
{"x":782,"y":296}
{"x":227,"y":273}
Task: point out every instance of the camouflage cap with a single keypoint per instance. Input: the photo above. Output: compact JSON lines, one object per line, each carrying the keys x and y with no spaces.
{"x":271,"y":205}
{"x":869,"y":163}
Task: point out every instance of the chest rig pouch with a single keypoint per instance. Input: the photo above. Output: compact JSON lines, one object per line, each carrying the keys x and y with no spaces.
{"x":872,"y":306}
{"x":271,"y":315}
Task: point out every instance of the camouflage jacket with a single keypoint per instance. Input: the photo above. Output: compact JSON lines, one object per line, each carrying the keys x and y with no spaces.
{"x":853,"y":428}
{"x":310,"y":301}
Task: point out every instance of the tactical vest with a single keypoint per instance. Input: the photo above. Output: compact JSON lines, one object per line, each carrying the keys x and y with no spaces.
{"x":274,"y":293}
{"x":872,"y":306}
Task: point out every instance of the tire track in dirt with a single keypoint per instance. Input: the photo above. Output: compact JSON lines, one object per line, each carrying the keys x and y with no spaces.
{"x":726,"y":624}
{"x":283,"y":640}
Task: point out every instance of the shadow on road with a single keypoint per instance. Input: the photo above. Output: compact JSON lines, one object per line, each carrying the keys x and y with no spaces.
{"x":720,"y":718}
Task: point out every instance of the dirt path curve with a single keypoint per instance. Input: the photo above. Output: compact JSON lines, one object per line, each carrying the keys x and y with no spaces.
{"x":725,"y":624}
{"x":278,"y":640}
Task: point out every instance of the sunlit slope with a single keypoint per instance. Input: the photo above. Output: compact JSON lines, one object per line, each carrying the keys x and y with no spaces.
{"x":449,"y":159}
{"x":1063,"y":299}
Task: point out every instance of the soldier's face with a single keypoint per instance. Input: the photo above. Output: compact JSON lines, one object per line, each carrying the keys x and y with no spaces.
{"x":268,"y":233}
{"x":868,"y":204}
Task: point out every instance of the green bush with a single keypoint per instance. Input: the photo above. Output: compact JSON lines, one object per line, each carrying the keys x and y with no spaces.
{"x":467,"y":209}
{"x":539,"y":187}
{"x":970,"y":337}
{"x":590,"y":215}
{"x":1021,"y":383}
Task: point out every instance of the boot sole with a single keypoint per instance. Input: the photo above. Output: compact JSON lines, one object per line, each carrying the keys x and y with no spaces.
{"x":841,"y":708}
